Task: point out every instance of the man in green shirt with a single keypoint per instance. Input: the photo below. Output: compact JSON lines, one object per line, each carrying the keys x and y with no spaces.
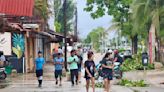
{"x":73,"y":61}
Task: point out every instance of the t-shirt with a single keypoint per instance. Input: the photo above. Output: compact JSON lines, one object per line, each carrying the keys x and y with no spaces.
{"x":90,"y":65}
{"x":107,"y":63}
{"x":39,"y":63}
{"x":58,"y":66}
{"x":75,"y":61}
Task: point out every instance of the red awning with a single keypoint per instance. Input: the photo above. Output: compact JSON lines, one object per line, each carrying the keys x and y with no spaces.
{"x":17,"y":7}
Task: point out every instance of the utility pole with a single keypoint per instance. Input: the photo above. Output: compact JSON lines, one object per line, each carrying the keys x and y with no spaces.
{"x":76,"y":20}
{"x":65,"y":33}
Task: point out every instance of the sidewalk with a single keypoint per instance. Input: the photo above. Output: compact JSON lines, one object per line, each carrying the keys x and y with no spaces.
{"x":28,"y":82}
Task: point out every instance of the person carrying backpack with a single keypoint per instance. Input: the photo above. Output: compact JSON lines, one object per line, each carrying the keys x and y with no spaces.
{"x":117,"y":57}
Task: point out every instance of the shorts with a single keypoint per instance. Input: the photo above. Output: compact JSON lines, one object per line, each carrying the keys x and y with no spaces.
{"x":107,"y":75}
{"x":87,"y":77}
{"x":39,"y":73}
{"x":58,"y":73}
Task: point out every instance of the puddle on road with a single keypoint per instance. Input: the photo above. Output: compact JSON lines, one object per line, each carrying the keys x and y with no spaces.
{"x":4,"y":84}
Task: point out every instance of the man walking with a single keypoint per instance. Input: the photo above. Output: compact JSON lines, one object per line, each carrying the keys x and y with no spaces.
{"x":58,"y":62}
{"x":39,"y":64}
{"x":73,"y":61}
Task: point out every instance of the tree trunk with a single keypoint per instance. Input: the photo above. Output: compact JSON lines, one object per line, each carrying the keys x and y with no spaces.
{"x":152,"y":42}
{"x":134,"y":44}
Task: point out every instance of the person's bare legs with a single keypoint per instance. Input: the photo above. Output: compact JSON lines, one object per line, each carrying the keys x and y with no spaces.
{"x":108,"y":86}
{"x":87,"y":85}
{"x":79,"y":77}
{"x":93,"y":84}
{"x":105,"y":84}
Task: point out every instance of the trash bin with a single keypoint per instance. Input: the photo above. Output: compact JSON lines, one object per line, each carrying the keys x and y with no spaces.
{"x":145,"y":59}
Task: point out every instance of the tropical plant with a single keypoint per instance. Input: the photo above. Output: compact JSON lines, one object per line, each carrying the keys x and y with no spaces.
{"x":96,"y":37}
{"x":43,"y":8}
{"x":70,"y":9}
{"x":18,"y":45}
{"x":148,"y":14}
{"x":121,"y":12}
{"x":129,"y":83}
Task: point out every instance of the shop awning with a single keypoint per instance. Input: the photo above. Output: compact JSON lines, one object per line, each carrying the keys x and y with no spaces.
{"x":17,"y":7}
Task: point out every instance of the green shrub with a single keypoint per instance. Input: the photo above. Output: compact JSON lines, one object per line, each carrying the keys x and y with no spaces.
{"x":98,"y":85}
{"x":129,"y":83}
{"x":135,"y":64}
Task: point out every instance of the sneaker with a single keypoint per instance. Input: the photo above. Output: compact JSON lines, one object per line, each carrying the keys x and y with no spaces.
{"x":56,"y":82}
{"x":39,"y":85}
{"x":72,"y":85}
{"x":60,"y":84}
{"x":76,"y":83}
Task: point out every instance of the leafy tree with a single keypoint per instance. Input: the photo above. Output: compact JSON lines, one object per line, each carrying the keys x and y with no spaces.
{"x":148,"y":14}
{"x":120,"y":10}
{"x":70,"y":8}
{"x":42,"y":7}
{"x":95,"y":37}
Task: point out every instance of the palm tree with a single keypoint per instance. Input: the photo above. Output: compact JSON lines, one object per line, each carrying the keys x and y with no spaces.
{"x":41,"y":10}
{"x":146,"y":15}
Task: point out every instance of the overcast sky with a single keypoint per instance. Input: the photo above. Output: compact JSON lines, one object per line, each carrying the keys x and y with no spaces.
{"x":85,"y":22}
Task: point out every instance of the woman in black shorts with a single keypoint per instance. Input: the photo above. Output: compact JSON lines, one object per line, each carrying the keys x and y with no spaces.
{"x":107,"y":70}
{"x":90,"y":71}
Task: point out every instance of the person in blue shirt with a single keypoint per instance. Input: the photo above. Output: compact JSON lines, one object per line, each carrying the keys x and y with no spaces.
{"x":39,"y":64}
{"x":58,"y":62}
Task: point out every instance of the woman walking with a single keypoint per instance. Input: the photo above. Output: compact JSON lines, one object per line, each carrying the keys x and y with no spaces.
{"x":89,"y":66}
{"x":107,"y":70}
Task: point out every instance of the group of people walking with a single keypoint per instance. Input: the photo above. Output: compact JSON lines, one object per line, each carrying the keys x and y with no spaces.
{"x":75,"y":63}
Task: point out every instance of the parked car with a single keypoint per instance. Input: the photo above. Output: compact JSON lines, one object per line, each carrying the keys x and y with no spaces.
{"x":127,"y":54}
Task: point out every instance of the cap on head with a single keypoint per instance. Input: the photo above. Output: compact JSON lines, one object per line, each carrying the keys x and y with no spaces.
{"x":110,"y":51}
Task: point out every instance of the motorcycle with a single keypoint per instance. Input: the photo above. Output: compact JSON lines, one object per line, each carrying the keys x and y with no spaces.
{"x":117,"y":73}
{"x":3,"y":74}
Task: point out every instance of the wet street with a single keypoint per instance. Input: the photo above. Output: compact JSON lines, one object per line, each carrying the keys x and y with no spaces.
{"x":28,"y":82}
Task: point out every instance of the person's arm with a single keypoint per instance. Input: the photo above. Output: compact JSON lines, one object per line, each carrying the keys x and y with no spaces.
{"x":43,"y":62}
{"x":62,"y":63}
{"x":115,"y":58}
{"x":69,"y":60}
{"x":76,"y":59}
{"x":54,"y":61}
{"x":105,"y":66}
{"x":86,"y":69}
